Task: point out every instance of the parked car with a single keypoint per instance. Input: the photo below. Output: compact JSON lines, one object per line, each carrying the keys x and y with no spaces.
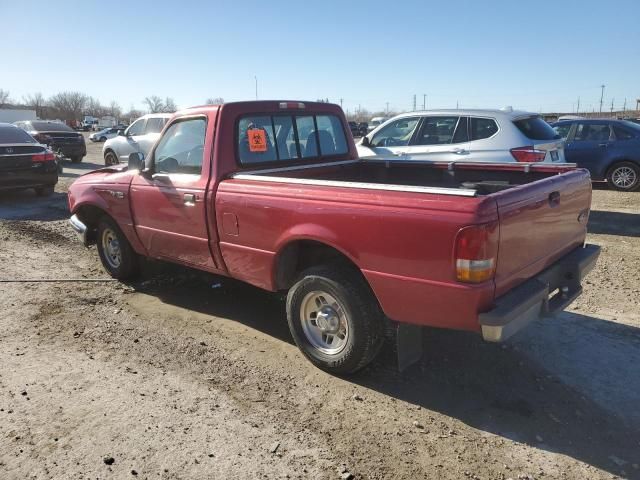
{"x":238,"y":191}
{"x":104,"y":134}
{"x":609,"y":149}
{"x":355,"y":129}
{"x":465,"y":136}
{"x":58,"y":136}
{"x":138,"y":137}
{"x":25,"y":163}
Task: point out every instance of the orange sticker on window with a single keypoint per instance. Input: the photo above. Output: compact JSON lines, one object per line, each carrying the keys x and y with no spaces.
{"x":257,"y":140}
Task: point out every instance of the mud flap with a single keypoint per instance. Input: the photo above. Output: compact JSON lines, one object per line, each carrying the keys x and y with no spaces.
{"x":408,"y":344}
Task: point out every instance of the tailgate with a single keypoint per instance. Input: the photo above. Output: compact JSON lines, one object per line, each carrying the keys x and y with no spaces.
{"x":540,"y":222}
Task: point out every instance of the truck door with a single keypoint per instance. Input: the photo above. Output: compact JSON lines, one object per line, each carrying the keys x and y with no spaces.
{"x":169,"y":203}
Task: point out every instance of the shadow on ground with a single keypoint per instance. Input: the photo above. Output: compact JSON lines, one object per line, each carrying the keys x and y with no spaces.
{"x":565,"y":387}
{"x":73,"y":170}
{"x":614,"y":223}
{"x":26,"y":205}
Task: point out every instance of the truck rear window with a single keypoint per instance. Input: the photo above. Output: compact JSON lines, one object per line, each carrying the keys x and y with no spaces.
{"x":273,"y":138}
{"x":535,"y":128}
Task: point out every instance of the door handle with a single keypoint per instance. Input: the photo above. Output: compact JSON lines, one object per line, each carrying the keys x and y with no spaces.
{"x":189,"y":199}
{"x":554,"y":199}
{"x":460,"y":151}
{"x":603,"y":144}
{"x":399,"y":154}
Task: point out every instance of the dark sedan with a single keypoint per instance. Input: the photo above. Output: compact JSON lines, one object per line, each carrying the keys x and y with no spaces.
{"x":60,"y":137}
{"x":609,"y":149}
{"x":25,"y":163}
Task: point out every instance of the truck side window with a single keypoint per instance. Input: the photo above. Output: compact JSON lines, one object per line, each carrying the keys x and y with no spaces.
{"x":181,"y":148}
{"x":332,"y":139}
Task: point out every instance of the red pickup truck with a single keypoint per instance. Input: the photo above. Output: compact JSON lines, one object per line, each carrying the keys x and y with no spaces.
{"x":273,"y":193}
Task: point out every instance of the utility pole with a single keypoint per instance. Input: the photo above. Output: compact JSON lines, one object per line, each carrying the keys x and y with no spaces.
{"x":424,"y":101}
{"x":256,"y":79}
{"x":414,"y":102}
{"x":624,"y":107}
{"x":601,"y":96}
{"x":387,"y":108}
{"x":578,"y":108}
{"x":341,"y":103}
{"x":456,"y":104}
{"x":612,"y":106}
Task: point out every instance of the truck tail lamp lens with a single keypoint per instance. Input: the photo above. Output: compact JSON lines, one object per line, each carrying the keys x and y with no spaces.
{"x":289,"y":105}
{"x":528,"y":154}
{"x":476,"y":252}
{"x":43,"y":157}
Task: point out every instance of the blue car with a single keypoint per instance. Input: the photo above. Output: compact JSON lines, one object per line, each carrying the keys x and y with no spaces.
{"x":609,"y":149}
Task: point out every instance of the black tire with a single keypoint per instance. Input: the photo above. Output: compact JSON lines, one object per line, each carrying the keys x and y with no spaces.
{"x":76,"y":159}
{"x":624,"y":176}
{"x":103,"y":139}
{"x":122,"y":264}
{"x":110,"y":158}
{"x":45,"y":190}
{"x":360,"y":311}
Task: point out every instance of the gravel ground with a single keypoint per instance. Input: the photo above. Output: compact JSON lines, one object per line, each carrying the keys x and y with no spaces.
{"x":183,"y":375}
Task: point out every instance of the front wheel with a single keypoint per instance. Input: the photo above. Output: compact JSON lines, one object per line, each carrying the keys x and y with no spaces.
{"x":335,"y":319}
{"x":624,"y":176}
{"x":103,"y":139}
{"x":116,"y":254}
{"x":110,"y":159}
{"x":76,"y":159}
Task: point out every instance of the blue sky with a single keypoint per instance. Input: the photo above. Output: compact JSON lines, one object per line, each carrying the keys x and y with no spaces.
{"x":539,"y":55}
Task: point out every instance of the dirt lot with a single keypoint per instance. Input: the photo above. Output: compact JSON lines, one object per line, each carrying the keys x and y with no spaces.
{"x":181,"y":375}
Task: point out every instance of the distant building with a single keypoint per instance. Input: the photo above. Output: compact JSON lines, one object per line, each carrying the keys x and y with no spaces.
{"x":10,"y":115}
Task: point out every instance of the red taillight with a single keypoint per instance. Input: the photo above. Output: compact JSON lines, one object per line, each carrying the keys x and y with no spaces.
{"x":43,"y":157}
{"x":528,"y":154}
{"x":476,"y":251}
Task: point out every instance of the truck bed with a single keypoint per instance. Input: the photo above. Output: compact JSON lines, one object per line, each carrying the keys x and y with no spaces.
{"x":464,"y":179}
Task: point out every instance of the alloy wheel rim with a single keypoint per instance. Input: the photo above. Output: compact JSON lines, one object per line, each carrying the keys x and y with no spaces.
{"x":111,"y":248}
{"x":324,"y":322}
{"x":624,"y":177}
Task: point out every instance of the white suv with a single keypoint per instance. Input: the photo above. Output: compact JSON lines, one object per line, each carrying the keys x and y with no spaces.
{"x":138,"y":137}
{"x":464,"y":136}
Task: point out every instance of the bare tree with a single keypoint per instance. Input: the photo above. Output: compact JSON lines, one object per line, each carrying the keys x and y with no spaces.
{"x":69,"y":104}
{"x":215,"y":101}
{"x":115,"y":110}
{"x":4,"y":97}
{"x":35,"y":101}
{"x":94,"y":108}
{"x":132,"y":114}
{"x":154,"y":104}
{"x":169,"y":105}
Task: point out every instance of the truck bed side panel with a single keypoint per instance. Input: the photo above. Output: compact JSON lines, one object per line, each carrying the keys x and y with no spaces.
{"x":401,"y":241}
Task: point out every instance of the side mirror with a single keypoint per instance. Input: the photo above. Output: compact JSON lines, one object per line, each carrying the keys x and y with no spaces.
{"x":121,"y":133}
{"x":136,"y":161}
{"x":365,"y":142}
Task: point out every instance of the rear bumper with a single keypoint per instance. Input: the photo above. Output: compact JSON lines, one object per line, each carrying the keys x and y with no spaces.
{"x":530,"y":300}
{"x":80,"y":229}
{"x":71,"y":150}
{"x":38,"y":175}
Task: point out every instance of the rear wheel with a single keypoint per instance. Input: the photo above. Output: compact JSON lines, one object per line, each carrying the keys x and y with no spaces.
{"x":624,"y":176}
{"x":103,"y":139}
{"x":110,"y":159}
{"x":76,"y":159}
{"x":334,"y":319}
{"x":115,"y":251}
{"x":44,"y":191}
